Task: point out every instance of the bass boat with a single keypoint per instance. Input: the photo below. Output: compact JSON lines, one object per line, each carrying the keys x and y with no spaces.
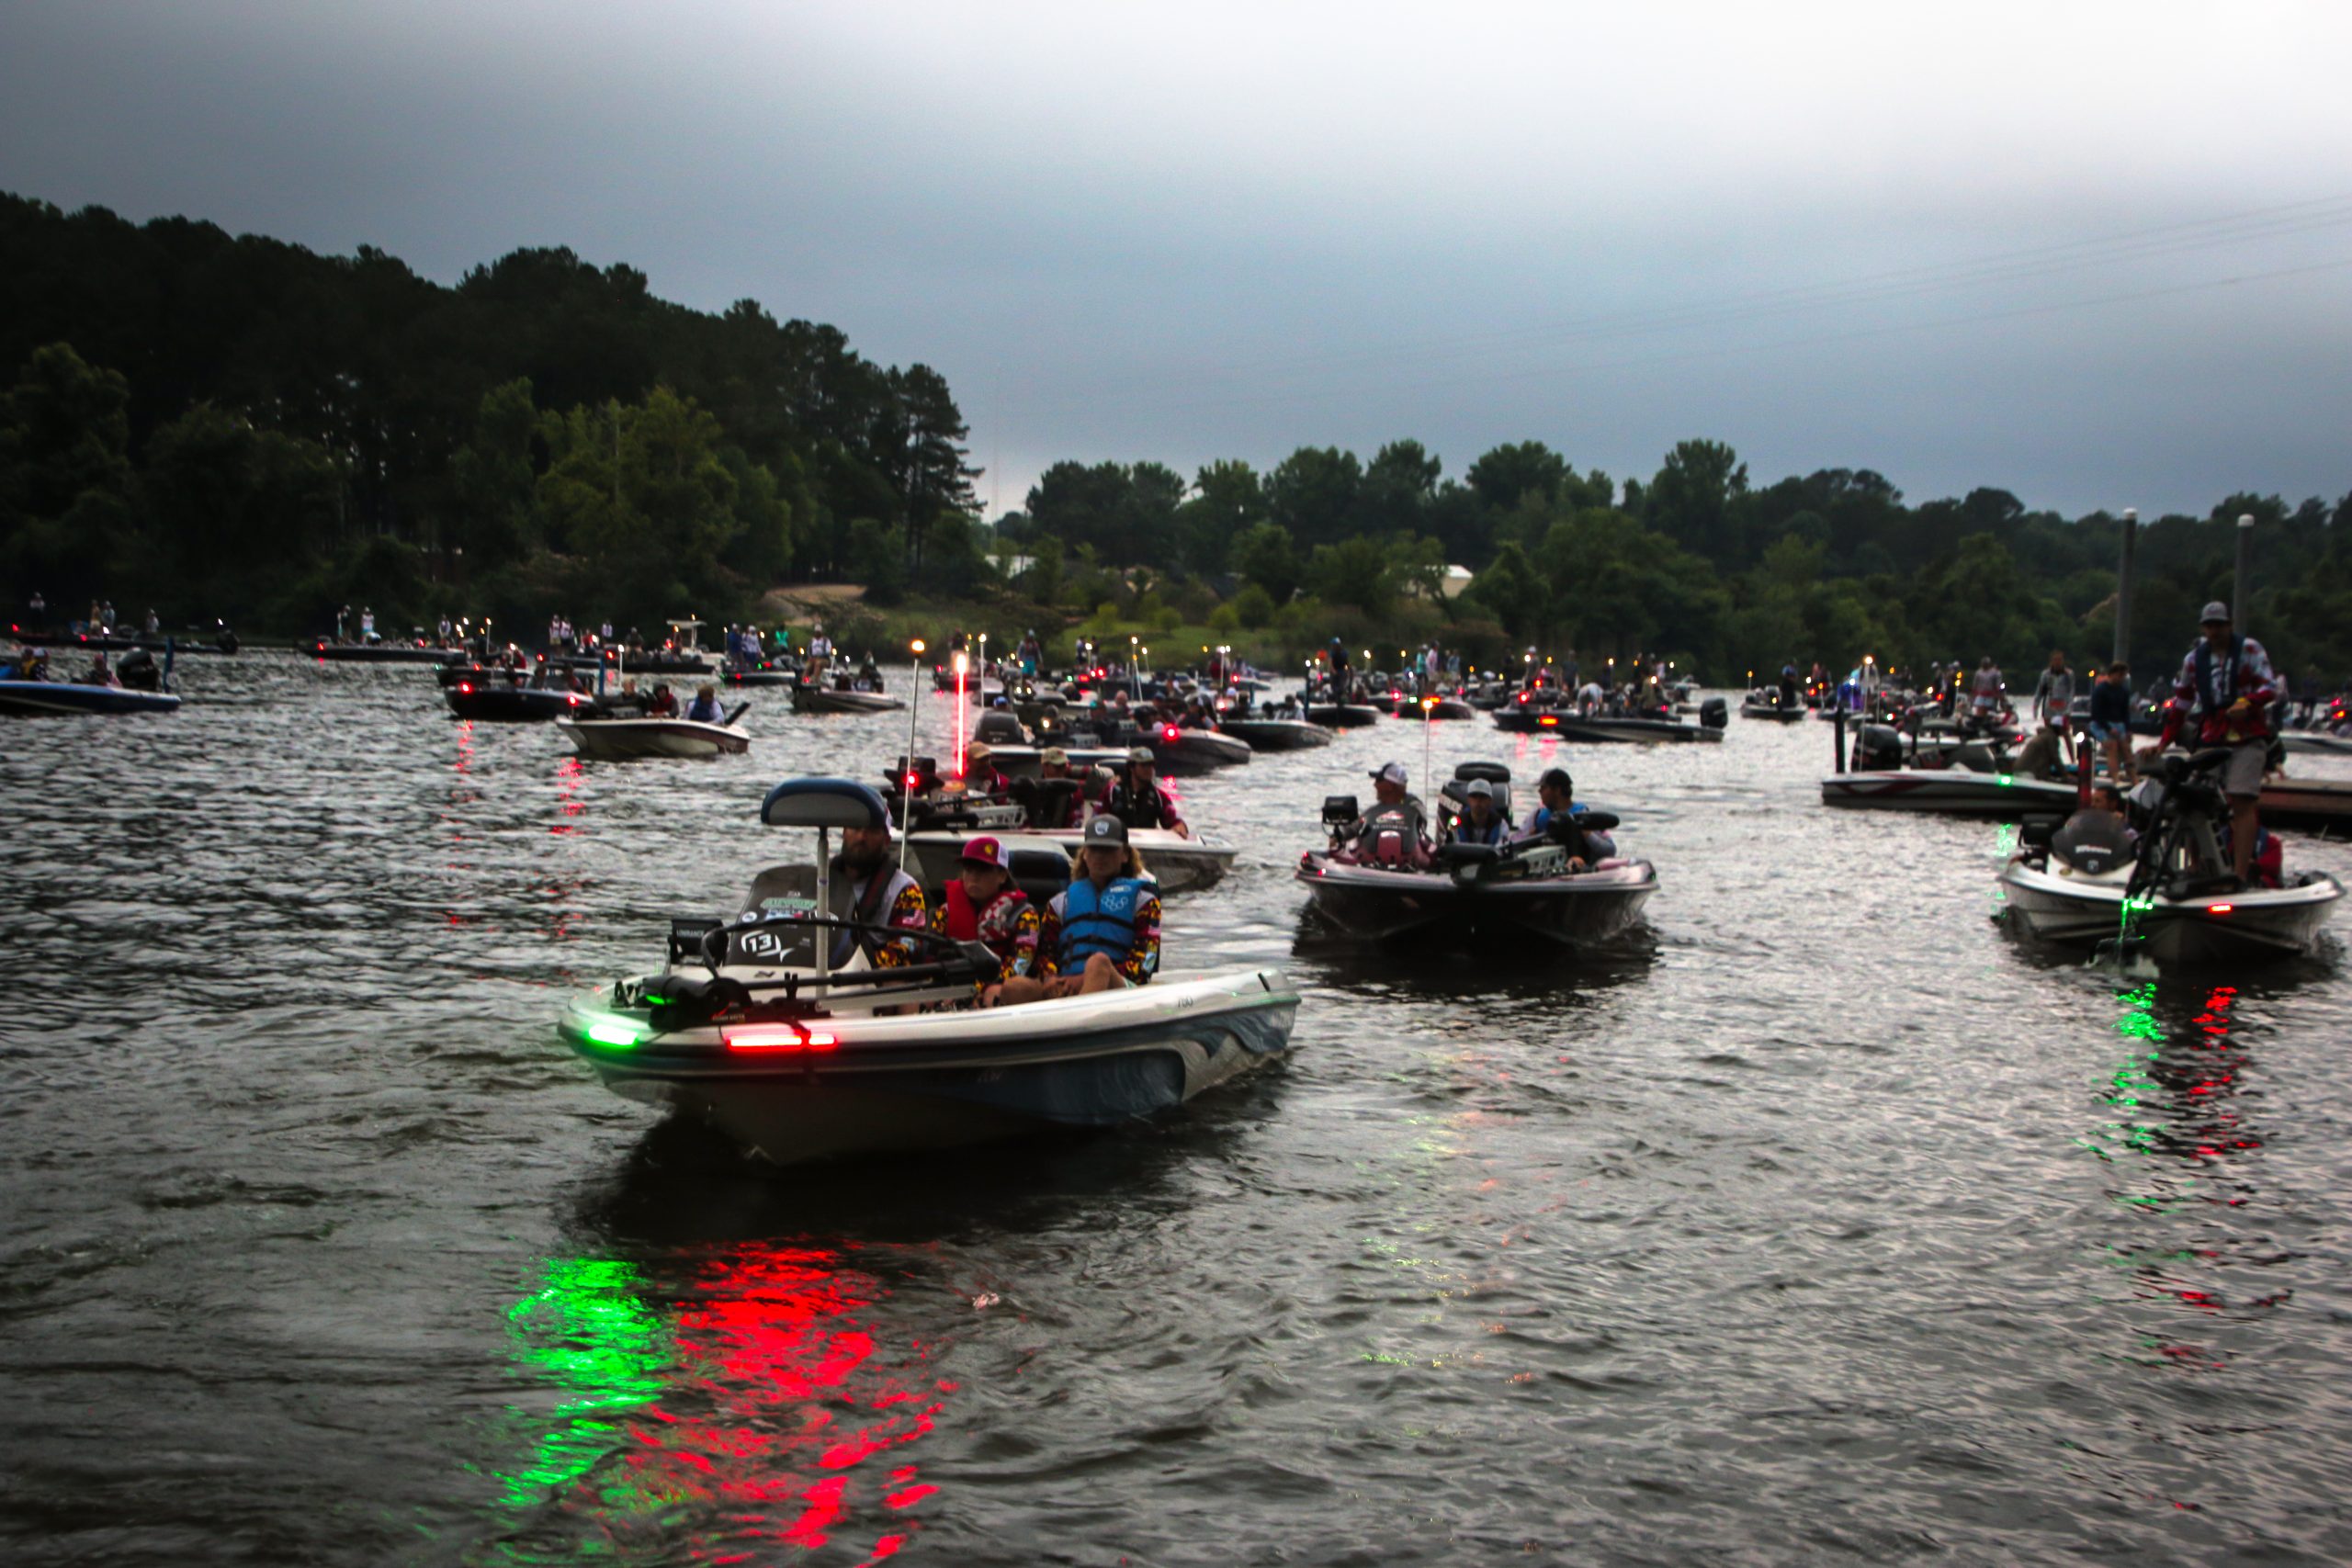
{"x":41,"y":699}
{"x":1962,"y":778}
{"x":2166,"y":894}
{"x":1381,"y":888}
{"x":778,"y":1026}
{"x":613,"y":738}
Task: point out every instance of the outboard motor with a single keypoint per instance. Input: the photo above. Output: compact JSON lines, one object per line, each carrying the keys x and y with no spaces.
{"x":1715,"y":713}
{"x":999,"y":727}
{"x":1877,"y":747}
{"x":2093,"y":840}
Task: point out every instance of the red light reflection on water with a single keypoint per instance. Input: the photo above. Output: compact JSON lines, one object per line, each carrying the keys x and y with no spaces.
{"x":780,"y":1406}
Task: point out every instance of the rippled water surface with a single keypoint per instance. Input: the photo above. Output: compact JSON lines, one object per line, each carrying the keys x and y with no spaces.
{"x":1825,"y":1222}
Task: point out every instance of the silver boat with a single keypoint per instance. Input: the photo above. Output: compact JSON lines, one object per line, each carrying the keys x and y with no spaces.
{"x":753,"y":1025}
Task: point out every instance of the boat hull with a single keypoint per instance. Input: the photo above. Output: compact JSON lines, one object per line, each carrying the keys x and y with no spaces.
{"x":1277,"y":734}
{"x":946,"y":1079}
{"x":46,"y":699}
{"x":1636,"y":731}
{"x":1341,"y":715}
{"x":384,"y":653}
{"x":1192,"y":751}
{"x":2221,"y":929}
{"x":634,"y":739}
{"x":810,"y":699}
{"x":1951,"y":792}
{"x":512,"y":705}
{"x":2315,"y":805}
{"x":1373,"y":905}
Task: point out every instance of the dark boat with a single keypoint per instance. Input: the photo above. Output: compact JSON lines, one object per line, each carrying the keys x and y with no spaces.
{"x":384,"y":652}
{"x":496,"y":701}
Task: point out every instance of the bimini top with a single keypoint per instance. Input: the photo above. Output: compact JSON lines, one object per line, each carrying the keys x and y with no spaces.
{"x":823,"y":803}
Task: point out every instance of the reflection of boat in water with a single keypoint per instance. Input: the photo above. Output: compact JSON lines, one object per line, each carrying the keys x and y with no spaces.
{"x":614,"y":739}
{"x":2090,"y":881}
{"x":753,"y":1025}
{"x":1380,"y":889}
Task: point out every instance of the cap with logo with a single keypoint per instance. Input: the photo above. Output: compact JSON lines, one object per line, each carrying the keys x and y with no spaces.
{"x":1481,"y":786}
{"x":1390,"y":773}
{"x":1105,"y":829}
{"x":986,"y":850}
{"x":1142,"y":754}
{"x":980,"y":751}
{"x":1055,"y":757}
{"x":2216,"y":611}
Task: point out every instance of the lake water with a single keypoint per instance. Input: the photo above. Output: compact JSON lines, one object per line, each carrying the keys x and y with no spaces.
{"x":1825,"y":1222}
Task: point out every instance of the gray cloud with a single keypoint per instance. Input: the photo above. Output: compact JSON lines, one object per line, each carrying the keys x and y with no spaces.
{"x":1193,"y":233}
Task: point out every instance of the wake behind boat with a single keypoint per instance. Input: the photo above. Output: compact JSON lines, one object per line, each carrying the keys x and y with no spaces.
{"x":754,"y":1026}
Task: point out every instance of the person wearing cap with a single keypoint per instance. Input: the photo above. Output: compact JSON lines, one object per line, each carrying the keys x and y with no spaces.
{"x":1049,"y":809}
{"x":983,"y":904}
{"x":1389,"y":793}
{"x":981,"y":776}
{"x":2228,"y":683}
{"x":1555,"y":819}
{"x":865,"y":886}
{"x":1479,"y":823}
{"x":1139,"y":800}
{"x":1102,"y":932}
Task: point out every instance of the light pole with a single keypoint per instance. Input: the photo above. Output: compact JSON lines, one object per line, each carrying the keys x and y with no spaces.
{"x":907,"y":788}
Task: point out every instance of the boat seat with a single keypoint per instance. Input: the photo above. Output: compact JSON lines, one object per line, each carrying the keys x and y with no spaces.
{"x":1041,"y":873}
{"x":781,"y":888}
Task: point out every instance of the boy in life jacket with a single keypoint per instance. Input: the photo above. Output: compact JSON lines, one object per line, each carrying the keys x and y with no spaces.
{"x":983,"y":904}
{"x":1102,"y":932}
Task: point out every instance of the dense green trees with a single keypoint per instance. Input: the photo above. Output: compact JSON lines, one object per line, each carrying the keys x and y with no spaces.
{"x":1697,"y":561}
{"x":346,"y":405}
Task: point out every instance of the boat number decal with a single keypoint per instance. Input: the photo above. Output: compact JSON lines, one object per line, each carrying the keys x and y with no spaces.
{"x":762,"y":945}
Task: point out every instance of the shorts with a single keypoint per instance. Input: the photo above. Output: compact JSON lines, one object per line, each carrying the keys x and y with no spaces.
{"x":2242,"y":778}
{"x":2108,"y":729}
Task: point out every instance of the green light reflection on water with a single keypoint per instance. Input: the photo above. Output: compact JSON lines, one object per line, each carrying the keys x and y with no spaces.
{"x":588,"y":1333}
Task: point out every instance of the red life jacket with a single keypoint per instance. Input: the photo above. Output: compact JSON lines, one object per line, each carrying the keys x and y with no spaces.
{"x":963,"y":920}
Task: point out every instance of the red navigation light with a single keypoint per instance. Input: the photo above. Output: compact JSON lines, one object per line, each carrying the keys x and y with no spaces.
{"x":777,"y":1037}
{"x":1522,"y":696}
{"x":913,"y":779}
{"x":465,"y":688}
{"x":2219,"y":908}
{"x":1168,"y":733}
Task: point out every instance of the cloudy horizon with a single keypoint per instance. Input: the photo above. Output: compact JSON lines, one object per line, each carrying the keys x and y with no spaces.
{"x":2100,"y":256}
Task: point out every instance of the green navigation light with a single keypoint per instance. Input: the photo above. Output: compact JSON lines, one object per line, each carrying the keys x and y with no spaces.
{"x":612,"y":1032}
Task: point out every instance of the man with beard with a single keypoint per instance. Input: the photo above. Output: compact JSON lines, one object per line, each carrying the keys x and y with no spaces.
{"x":864,"y":886}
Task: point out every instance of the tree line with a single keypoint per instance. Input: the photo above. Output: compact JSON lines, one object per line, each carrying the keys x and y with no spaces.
{"x":1695,"y":560}
{"x":236,"y":426}
{"x":233,"y":425}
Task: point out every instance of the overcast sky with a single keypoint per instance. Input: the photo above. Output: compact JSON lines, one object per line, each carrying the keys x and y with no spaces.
{"x":2098,"y":254}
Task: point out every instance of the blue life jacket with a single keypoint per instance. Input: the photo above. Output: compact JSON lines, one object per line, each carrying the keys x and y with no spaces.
{"x":1469,"y":832}
{"x":1096,"y":922}
{"x":2215,"y":700}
